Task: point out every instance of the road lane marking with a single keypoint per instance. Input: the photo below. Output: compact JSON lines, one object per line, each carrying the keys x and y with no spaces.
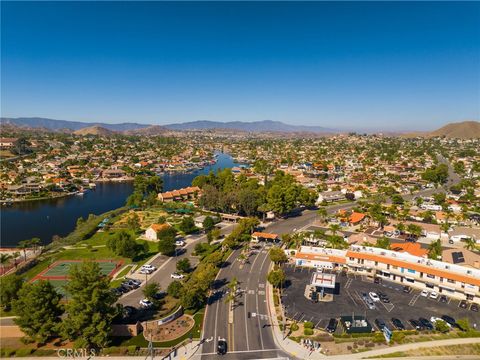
{"x":244,"y":352}
{"x":246,"y":322}
{"x":258,"y":319}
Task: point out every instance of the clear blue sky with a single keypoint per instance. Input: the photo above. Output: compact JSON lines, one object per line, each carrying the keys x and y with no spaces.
{"x":362,"y":65}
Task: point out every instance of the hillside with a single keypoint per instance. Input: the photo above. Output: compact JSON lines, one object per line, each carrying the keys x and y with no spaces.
{"x":94,"y":130}
{"x":151,"y":130}
{"x":460,"y":130}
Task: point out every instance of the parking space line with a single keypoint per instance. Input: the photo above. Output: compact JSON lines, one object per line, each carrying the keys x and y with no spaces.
{"x":316,"y":325}
{"x":361,"y":299}
{"x":414,"y":299}
{"x":351,"y":297}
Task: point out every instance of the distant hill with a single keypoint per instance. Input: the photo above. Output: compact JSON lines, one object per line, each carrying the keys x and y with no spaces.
{"x":94,"y":130}
{"x":256,"y":126}
{"x":460,"y":130}
{"x":148,"y":131}
{"x":58,"y":125}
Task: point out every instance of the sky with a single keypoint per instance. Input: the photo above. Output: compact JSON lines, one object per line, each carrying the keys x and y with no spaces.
{"x":344,"y":65}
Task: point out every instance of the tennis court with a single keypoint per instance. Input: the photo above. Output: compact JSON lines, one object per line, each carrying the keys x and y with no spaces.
{"x":60,"y":269}
{"x":57,"y":284}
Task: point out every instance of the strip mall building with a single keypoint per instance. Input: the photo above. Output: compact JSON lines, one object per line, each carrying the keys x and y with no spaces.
{"x":461,"y":282}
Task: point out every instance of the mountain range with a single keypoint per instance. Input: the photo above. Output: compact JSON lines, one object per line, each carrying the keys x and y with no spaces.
{"x":462,"y":130}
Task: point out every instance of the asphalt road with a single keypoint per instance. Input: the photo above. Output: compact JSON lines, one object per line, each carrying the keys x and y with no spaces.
{"x":166,"y":266}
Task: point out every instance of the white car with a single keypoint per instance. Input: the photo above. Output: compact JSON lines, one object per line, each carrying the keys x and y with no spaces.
{"x":433,"y":295}
{"x":145,"y":303}
{"x":179,"y":243}
{"x":177,"y":276}
{"x":424,"y":293}
{"x":374,"y":296}
{"x":145,"y":271}
{"x":148,"y":267}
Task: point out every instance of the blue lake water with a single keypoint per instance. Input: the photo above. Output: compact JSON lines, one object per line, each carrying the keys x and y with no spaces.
{"x":46,"y":218}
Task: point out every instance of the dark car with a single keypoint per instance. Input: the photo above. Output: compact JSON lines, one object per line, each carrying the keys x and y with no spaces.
{"x":129,"y":311}
{"x":377,"y":280}
{"x":463,"y":304}
{"x":407,"y":289}
{"x":411,"y":239}
{"x":416,"y":324}
{"x":398,"y":324}
{"x":222,"y":347}
{"x":380,"y":323}
{"x":443,"y":299}
{"x":332,"y":325}
{"x":474,"y":307}
{"x":426,"y":323}
{"x":160,"y":295}
{"x":449,"y":320}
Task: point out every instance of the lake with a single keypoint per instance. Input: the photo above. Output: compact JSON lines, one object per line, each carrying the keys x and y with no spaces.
{"x":46,"y":218}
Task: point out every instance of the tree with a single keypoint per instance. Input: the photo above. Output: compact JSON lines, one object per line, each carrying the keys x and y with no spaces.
{"x":90,"y":307}
{"x":35,"y":242}
{"x":24,"y":245}
{"x":124,"y":245}
{"x":442,"y":326}
{"x":10,"y":286}
{"x":414,"y":230}
{"x":208,"y":224}
{"x":167,"y":246}
{"x":470,"y":244}
{"x":276,"y":278}
{"x":277,"y":255}
{"x":150,"y":290}
{"x":183,"y":265}
{"x":21,"y":147}
{"x":215,"y":233}
{"x":435,"y":249}
{"x":187,"y":225}
{"x":4,"y":260}
{"x":322,"y":214}
{"x":397,"y":199}
{"x":383,"y":243}
{"x":334,"y":228}
{"x":175,"y":289}
{"x":38,"y":310}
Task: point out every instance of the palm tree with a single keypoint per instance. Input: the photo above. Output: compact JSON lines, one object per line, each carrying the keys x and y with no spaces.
{"x":322,"y":213}
{"x":35,"y":242}
{"x":24,"y":245}
{"x":4,"y":259}
{"x":334,"y":228}
{"x":470,"y":244}
{"x":16,"y":254}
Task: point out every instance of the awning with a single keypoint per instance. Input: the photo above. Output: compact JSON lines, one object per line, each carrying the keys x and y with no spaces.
{"x":409,"y":278}
{"x":447,"y":288}
{"x":386,"y":272}
{"x":470,"y":292}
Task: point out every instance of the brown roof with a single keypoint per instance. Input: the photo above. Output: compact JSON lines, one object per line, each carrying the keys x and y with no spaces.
{"x":306,"y":256}
{"x":265,"y":235}
{"x":159,"y":227}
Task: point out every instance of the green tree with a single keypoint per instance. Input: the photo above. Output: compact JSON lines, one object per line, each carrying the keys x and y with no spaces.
{"x":442,"y":326}
{"x":276,"y":278}
{"x":38,"y":310}
{"x":4,"y":260}
{"x":167,"y":246}
{"x":35,"y":242}
{"x":10,"y":286}
{"x":183,"y":265}
{"x":175,"y":289}
{"x":470,"y":244}
{"x":277,"y":255}
{"x":133,"y":222}
{"x":322,"y":214}
{"x":187,"y":225}
{"x":435,"y":249}
{"x":397,"y":199}
{"x":334,"y":228}
{"x":383,"y":243}
{"x":90,"y":307}
{"x":24,"y":245}
{"x":150,"y":290}
{"x":124,"y":245}
{"x":414,"y":230}
{"x":208,"y":224}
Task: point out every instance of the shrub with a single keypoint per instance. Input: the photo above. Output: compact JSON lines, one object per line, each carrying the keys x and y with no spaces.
{"x":45,"y":352}
{"x":307,"y":331}
{"x":23,"y":352}
{"x":378,"y":337}
{"x":294,"y":327}
{"x":308,"y":325}
{"x":7,"y":352}
{"x":276,"y":300}
{"x":132,"y":349}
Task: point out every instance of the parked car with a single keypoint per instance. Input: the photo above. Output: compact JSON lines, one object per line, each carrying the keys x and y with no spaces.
{"x":128,"y":311}
{"x":398,"y":324}
{"x":373,"y":296}
{"x":424,"y":293}
{"x":370,"y":304}
{"x":380,"y":323}
{"x":221,"y":346}
{"x":433,"y":295}
{"x":377,"y":280}
{"x":332,"y":325}
{"x":449,"y":320}
{"x":160,"y":295}
{"x":383,"y":297}
{"x":407,"y":289}
{"x":145,"y":303}
{"x":426,"y":324}
{"x":463,"y":304}
{"x":148,"y":267}
{"x":146,"y":271}
{"x":474,"y":307}
{"x":364,"y":296}
{"x":176,"y":275}
{"x":180,"y":243}
{"x":443,"y":299}
{"x":416,"y":324}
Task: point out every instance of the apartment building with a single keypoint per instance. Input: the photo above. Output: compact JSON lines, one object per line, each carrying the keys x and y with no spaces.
{"x":447,"y":278}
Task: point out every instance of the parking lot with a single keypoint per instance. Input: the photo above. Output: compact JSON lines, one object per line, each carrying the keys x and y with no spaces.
{"x":348,"y":300}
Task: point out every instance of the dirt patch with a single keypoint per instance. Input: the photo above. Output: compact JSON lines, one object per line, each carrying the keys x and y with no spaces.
{"x":170,"y":331}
